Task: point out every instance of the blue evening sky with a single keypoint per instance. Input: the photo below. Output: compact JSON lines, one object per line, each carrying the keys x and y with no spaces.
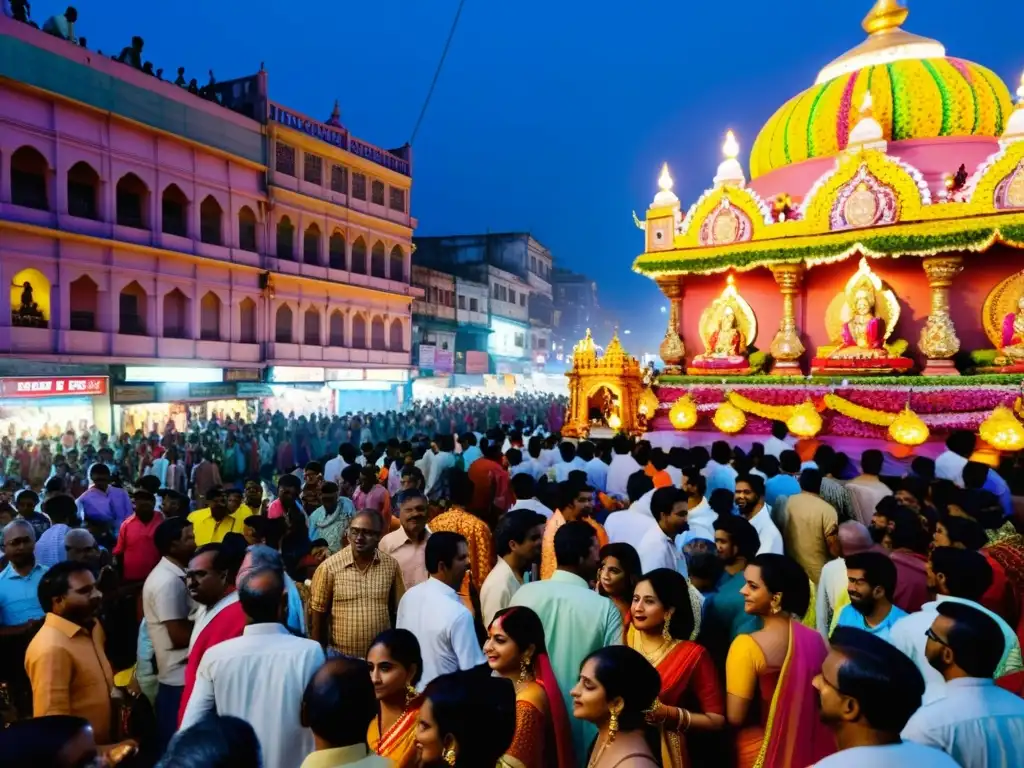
{"x":550,"y":117}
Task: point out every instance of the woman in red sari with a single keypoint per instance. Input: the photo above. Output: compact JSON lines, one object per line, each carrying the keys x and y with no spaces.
{"x":617,"y":578}
{"x":691,"y":697}
{"x":515,"y":650}
{"x":770,"y":699}
{"x":395,"y":668}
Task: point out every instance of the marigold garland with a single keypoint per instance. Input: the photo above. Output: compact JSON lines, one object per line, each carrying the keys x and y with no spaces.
{"x":859,"y":412}
{"x":770,"y":412}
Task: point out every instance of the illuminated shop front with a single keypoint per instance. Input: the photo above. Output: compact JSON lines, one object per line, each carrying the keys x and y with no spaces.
{"x":36,"y":405}
{"x":330,"y":391}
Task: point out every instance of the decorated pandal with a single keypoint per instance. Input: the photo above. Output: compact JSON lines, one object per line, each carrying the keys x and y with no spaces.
{"x":868,"y":281}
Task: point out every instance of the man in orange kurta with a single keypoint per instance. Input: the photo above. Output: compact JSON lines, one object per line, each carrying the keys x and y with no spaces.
{"x":476,"y":532}
{"x":576,"y":502}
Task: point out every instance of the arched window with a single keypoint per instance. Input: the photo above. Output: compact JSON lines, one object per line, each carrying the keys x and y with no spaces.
{"x":337,"y":329}
{"x":30,"y":299}
{"x":83,"y":296}
{"x":174,"y":206}
{"x":359,"y":332}
{"x":283,"y":325}
{"x":311,"y":327}
{"x":311,"y":245}
{"x":377,"y":260}
{"x":209,"y":317}
{"x":210,"y":221}
{"x":247,"y":321}
{"x":247,"y":229}
{"x":285,"y":239}
{"x":336,"y":251}
{"x":175,"y":315}
{"x":377,"y":338}
{"x":83,"y":191}
{"x":133,"y":308}
{"x":359,"y":257}
{"x":132,"y":201}
{"x":30,"y":179}
{"x":397,"y":341}
{"x":396,"y":269}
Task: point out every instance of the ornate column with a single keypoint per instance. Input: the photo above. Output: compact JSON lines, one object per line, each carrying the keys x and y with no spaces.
{"x":939,"y":341}
{"x":672,"y":351}
{"x":786,"y":348}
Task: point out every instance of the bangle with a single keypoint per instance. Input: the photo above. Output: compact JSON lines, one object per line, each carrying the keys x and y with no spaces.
{"x":684,"y":727}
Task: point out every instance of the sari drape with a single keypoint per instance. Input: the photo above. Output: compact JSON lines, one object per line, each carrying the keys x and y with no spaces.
{"x":543,"y":738}
{"x":794,"y":736}
{"x":686,"y":670}
{"x":398,"y":743}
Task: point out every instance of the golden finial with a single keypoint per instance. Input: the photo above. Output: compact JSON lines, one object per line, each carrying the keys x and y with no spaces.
{"x":731,"y":147}
{"x":730,"y":280}
{"x":884,"y":16}
{"x":665,"y":182}
{"x":865,"y":105}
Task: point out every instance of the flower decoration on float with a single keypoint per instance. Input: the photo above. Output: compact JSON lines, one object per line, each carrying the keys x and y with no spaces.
{"x":805,"y":420}
{"x":683,"y":413}
{"x":729,"y":419}
{"x":908,"y":428}
{"x":1002,"y":430}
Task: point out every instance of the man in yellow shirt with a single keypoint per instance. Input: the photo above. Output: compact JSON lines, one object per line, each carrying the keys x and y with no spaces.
{"x":215,"y":521}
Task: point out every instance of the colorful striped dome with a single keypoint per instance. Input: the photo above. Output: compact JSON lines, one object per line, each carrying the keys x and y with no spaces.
{"x":913,"y":99}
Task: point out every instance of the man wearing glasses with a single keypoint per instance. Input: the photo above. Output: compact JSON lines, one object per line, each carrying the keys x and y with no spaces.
{"x":355,"y":593}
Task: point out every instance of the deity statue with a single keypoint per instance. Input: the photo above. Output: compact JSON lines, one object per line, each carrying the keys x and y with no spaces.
{"x":859,"y":321}
{"x":28,"y":306}
{"x":864,"y":333}
{"x":727,"y":329}
{"x":1013,"y":333}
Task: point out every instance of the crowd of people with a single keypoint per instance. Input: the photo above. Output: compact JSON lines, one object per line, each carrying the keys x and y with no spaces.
{"x":488,"y":594}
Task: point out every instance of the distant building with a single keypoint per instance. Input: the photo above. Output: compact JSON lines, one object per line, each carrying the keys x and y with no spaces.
{"x":577,"y":309}
{"x":473,"y":316}
{"x":434,"y":323}
{"x":517,"y":270}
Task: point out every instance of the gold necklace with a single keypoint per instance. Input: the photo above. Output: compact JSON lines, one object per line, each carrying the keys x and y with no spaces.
{"x":639,"y":646}
{"x":596,"y":757}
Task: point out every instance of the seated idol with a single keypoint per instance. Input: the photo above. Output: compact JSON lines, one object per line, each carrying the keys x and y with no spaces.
{"x":726,"y":347}
{"x":1013,"y":333}
{"x":863,"y":335}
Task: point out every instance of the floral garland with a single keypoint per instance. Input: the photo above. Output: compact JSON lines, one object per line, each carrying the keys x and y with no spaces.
{"x":859,"y":412}
{"x":770,"y":412}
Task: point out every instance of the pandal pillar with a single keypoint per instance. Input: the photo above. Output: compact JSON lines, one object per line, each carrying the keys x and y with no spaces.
{"x":672,"y":351}
{"x":939,"y":341}
{"x":786,"y":348}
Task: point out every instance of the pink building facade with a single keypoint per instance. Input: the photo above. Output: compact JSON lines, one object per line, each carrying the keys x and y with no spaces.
{"x":142,"y":230}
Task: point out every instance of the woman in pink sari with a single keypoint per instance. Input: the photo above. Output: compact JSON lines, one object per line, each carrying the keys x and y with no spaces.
{"x":768,"y":674}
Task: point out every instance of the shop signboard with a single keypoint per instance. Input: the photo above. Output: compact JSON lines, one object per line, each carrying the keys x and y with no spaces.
{"x":345,"y":374}
{"x":477,"y":362}
{"x":428,"y":353}
{"x":211,"y":391}
{"x":395,"y":375}
{"x":243,"y":374}
{"x":124,"y":394}
{"x":60,"y":386}
{"x":444,"y":361}
{"x":254,"y":390}
{"x":289,"y":374}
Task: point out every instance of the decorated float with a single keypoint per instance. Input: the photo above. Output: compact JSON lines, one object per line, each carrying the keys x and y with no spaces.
{"x":868,"y":280}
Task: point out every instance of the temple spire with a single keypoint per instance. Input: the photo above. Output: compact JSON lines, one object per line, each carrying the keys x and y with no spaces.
{"x":886,"y":15}
{"x":335,"y":118}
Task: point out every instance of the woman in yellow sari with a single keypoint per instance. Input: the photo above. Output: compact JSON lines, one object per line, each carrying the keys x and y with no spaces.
{"x":395,"y":668}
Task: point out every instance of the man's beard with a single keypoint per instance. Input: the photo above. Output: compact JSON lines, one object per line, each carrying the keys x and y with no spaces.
{"x":862,"y":606}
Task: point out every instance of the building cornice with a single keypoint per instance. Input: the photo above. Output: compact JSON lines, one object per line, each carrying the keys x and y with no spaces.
{"x":338,"y":155}
{"x":312,"y":204}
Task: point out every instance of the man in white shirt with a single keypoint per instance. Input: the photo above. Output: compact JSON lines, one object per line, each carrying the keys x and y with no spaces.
{"x":629,"y":526}
{"x":166,"y":607}
{"x":261,"y":676}
{"x":334,"y":467}
{"x":719,"y":470}
{"x":958,"y":576}
{"x":594,"y":466}
{"x":949,"y":465}
{"x":622,"y":468}
{"x":867,"y":489}
{"x":676,"y":464}
{"x":570,"y":462}
{"x":779,"y":441}
{"x":657,"y":548}
{"x":525,"y":489}
{"x":701,"y":517}
{"x":867,"y":691}
{"x":531,"y":463}
{"x":975,"y":722}
{"x":750,"y":502}
{"x":518,"y":541}
{"x":434,"y":612}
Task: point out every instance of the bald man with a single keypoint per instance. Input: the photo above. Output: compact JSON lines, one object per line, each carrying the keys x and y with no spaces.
{"x":266,"y":664}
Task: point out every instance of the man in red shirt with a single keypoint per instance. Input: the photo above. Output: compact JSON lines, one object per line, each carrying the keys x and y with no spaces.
{"x":492,"y":491}
{"x":210,"y":579}
{"x":135,"y":551}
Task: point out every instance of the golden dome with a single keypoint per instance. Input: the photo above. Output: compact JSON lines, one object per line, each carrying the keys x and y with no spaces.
{"x":917,"y":92}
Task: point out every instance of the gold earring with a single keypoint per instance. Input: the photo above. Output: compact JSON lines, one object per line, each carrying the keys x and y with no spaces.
{"x":666,"y":628}
{"x":449,"y":756}
{"x":410,"y":694}
{"x":524,"y":668}
{"x":776,"y":605}
{"x":613,"y":722}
